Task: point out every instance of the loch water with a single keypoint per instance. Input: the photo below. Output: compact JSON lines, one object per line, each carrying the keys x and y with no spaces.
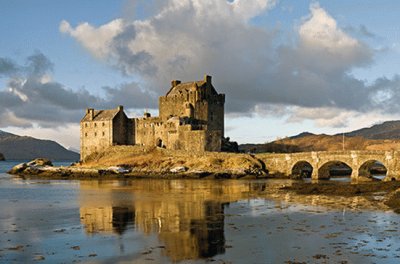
{"x":187,"y":221}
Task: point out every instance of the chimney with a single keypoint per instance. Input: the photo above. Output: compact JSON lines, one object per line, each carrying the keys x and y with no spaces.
{"x":120,"y":108}
{"x":207,"y":79}
{"x":90,"y":112}
{"x":175,"y":83}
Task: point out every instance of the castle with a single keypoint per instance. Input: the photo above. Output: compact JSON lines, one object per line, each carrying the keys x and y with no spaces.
{"x":191,"y":118}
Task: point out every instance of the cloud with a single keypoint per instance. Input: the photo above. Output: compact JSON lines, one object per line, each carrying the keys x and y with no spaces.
{"x":7,"y":67}
{"x":185,"y":39}
{"x":31,"y":97}
{"x":96,"y":40}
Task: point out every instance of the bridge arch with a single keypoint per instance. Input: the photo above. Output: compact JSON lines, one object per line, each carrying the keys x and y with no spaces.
{"x":301,"y":169}
{"x":370,"y":167}
{"x":332,"y":167}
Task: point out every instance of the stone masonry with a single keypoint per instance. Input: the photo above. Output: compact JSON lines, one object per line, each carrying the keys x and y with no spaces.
{"x":359,"y":161}
{"x":191,"y":118}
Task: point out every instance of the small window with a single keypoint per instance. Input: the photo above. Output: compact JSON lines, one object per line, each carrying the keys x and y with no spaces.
{"x":104,"y":124}
{"x":95,"y":124}
{"x":95,"y":134}
{"x":85,"y":134}
{"x":104,"y":134}
{"x":85,"y":124}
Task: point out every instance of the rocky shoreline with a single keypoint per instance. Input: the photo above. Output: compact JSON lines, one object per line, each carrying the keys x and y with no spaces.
{"x":43,"y":168}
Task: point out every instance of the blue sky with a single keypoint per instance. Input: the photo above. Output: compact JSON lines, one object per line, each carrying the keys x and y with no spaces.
{"x":285,"y":66}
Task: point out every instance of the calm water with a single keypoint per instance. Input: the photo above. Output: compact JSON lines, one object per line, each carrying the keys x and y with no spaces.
{"x":187,"y":221}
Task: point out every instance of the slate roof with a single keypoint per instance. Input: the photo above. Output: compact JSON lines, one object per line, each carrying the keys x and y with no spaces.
{"x":185,"y":87}
{"x":101,"y":115}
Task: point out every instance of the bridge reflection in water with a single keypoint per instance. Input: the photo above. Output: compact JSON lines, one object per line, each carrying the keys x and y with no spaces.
{"x":188,"y":216}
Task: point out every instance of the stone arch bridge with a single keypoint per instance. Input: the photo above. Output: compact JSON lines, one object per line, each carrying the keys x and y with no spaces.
{"x":360,"y":161}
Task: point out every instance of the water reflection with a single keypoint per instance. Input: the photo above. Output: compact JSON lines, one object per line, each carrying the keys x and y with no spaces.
{"x":187,"y":216}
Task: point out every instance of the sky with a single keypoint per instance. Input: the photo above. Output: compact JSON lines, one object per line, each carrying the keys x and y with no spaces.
{"x":285,"y":66}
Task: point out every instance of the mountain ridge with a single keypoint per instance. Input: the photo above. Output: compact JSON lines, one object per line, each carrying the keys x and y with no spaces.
{"x":384,"y":136}
{"x":15,"y":147}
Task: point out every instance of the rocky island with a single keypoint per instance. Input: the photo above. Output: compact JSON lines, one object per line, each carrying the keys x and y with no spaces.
{"x":187,"y":141}
{"x":155,"y":162}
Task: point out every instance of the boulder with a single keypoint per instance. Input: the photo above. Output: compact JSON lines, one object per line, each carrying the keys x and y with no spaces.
{"x":393,"y":200}
{"x":118,"y":170}
{"x":18,"y":168}
{"x":33,"y":166}
{"x":178,"y":169}
{"x":40,"y":162}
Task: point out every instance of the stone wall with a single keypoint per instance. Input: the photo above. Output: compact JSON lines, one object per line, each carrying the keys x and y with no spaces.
{"x":215,"y":113}
{"x":95,"y":136}
{"x":358,"y":161}
{"x":121,"y":129}
{"x":148,"y":130}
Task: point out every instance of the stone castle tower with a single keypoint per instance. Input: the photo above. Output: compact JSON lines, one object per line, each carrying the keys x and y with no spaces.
{"x":191,"y":118}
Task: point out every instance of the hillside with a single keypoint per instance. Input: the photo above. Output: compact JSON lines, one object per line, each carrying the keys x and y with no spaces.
{"x":15,"y":147}
{"x":386,"y":130}
{"x":385,"y":136}
{"x":322,"y":143}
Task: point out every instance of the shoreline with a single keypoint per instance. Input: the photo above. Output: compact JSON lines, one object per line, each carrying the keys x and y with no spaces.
{"x":389,"y":191}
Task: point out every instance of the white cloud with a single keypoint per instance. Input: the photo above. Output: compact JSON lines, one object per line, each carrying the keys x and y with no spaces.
{"x":307,"y":79}
{"x":186,"y":39}
{"x":96,"y":40}
{"x":336,"y":118}
{"x":248,"y":9}
{"x":320,"y":30}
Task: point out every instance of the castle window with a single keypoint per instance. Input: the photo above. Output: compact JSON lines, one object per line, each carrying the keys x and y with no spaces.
{"x":104,"y":124}
{"x":104,"y":134}
{"x":95,"y":124}
{"x":85,"y":124}
{"x":85,"y":134}
{"x":95,"y":134}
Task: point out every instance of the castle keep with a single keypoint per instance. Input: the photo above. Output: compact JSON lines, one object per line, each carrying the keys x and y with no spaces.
{"x":191,"y":118}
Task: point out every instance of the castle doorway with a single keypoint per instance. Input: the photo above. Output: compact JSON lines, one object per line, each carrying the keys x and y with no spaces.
{"x":159,"y":143}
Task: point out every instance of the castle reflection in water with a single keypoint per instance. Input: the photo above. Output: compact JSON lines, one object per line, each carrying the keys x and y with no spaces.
{"x":187,"y":216}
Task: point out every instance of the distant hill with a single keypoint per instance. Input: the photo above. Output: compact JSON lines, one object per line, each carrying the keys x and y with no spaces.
{"x":385,"y":136}
{"x":15,"y":147}
{"x":386,"y":130}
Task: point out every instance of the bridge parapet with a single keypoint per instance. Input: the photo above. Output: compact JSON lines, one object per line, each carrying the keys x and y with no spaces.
{"x":357,"y":160}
